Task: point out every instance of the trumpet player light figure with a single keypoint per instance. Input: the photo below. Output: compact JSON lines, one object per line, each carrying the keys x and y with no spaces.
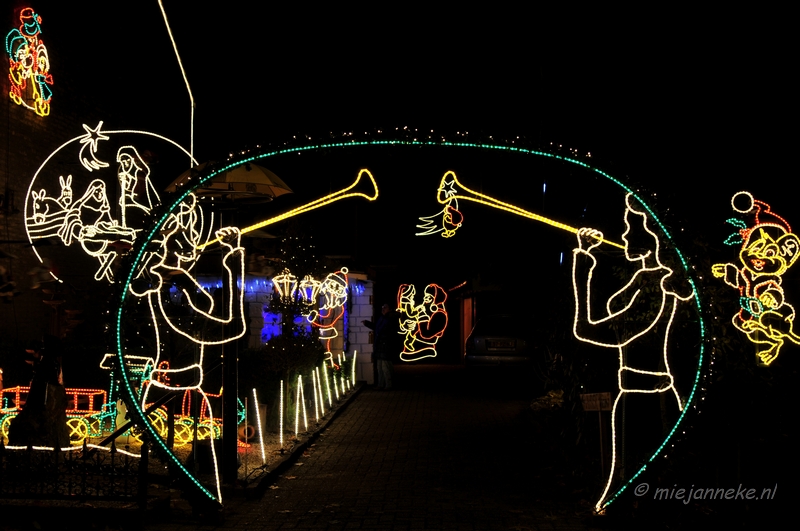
{"x":176,"y":257}
{"x":633,"y":320}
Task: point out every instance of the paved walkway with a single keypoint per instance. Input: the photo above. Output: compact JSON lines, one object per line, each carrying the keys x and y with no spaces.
{"x":439,"y":451}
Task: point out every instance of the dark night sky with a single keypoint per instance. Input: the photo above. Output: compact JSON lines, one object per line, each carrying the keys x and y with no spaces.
{"x":692,"y":112}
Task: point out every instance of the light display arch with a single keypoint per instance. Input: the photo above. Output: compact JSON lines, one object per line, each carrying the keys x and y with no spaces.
{"x":691,"y":299}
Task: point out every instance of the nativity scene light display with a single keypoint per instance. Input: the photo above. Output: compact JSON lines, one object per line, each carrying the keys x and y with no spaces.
{"x":102,"y":208}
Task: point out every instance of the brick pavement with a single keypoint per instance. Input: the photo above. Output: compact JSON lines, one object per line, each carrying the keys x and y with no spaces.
{"x":438,"y":452}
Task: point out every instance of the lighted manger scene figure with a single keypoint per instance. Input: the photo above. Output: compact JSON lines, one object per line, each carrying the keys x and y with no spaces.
{"x":767,"y":249}
{"x":99,"y":206}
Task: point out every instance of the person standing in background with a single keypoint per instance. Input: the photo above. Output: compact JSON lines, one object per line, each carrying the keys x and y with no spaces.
{"x":386,"y":331}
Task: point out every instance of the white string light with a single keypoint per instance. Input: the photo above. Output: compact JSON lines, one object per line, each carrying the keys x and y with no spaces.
{"x":586,"y":327}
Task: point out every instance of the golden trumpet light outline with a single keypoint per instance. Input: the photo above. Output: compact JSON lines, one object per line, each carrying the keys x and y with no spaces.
{"x":328,"y":199}
{"x":444,"y":198}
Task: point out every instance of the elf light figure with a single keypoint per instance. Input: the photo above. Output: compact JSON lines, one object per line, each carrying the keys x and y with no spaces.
{"x":29,"y":70}
{"x":334,"y":292}
{"x":449,"y":219}
{"x":768,"y":249}
{"x":423,"y":324}
{"x":644,"y":308}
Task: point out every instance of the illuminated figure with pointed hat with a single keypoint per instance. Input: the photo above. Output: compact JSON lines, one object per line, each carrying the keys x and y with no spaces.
{"x":768,"y":249}
{"x":449,"y":219}
{"x":334,"y":292}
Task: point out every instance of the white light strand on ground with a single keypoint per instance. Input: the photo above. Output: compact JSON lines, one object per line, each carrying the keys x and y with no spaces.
{"x":321,"y":396}
{"x":327,"y":384}
{"x":260,"y":428}
{"x":303,"y":401}
{"x":72,"y":449}
{"x":316,"y":399}
{"x":335,"y":385}
{"x":297,"y":408}
{"x":355,"y":353}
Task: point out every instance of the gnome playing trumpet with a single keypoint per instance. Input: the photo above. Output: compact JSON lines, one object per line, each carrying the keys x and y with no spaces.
{"x":768,"y":249}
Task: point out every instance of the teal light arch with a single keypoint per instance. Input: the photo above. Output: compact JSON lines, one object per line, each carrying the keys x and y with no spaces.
{"x":246,"y":157}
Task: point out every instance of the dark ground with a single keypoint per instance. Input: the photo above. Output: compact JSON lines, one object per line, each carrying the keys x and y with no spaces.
{"x":447,"y":449}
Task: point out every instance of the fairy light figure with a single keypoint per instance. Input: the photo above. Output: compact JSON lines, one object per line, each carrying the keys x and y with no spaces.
{"x":138,"y":191}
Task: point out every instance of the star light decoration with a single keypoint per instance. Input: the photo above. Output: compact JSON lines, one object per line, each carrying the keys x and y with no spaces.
{"x":768,"y":248}
{"x":90,"y":140}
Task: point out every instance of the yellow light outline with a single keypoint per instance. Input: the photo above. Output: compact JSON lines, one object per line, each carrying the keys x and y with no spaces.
{"x":446,"y":195}
{"x":327,"y":200}
{"x":417,"y":314}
